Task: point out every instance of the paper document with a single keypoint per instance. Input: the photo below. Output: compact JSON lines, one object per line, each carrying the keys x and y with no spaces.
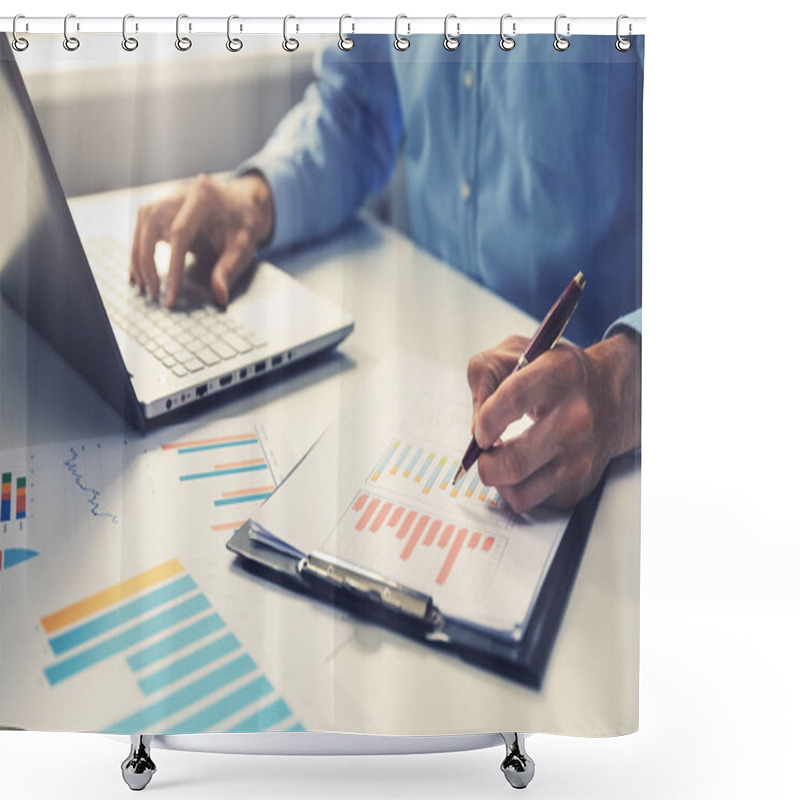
{"x":376,"y":491}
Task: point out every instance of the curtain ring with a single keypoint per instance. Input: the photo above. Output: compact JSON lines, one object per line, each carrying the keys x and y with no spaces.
{"x":129,"y":43}
{"x":233,"y":44}
{"x":622,"y":44}
{"x":400,"y":42}
{"x":20,"y":43}
{"x":345,"y":43}
{"x":561,"y":43}
{"x":451,"y":42}
{"x":289,"y":45}
{"x":183,"y":43}
{"x":71,"y":43}
{"x":506,"y":42}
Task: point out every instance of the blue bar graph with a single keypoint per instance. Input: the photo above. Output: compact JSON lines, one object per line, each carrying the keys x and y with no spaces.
{"x":264,"y":719}
{"x":410,"y":468}
{"x":151,"y":715}
{"x":112,"y":619}
{"x":189,"y":664}
{"x":127,"y":638}
{"x":199,"y":448}
{"x":401,"y":458}
{"x":224,"y":708}
{"x":171,"y":644}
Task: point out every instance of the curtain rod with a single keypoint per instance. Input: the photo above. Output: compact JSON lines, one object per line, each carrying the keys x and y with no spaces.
{"x":403,"y":25}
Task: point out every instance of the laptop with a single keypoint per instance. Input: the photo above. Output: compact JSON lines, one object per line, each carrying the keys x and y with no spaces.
{"x":145,"y":360}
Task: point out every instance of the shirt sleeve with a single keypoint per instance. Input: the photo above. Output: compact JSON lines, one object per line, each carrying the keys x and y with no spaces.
{"x":337,"y":146}
{"x":629,"y":322}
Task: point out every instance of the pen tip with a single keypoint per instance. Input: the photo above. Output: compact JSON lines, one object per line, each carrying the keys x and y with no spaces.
{"x":580,"y":279}
{"x":459,"y":475}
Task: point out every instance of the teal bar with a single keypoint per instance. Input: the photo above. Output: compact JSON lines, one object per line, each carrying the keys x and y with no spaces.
{"x":451,"y":472}
{"x":264,"y":719}
{"x":298,"y":726}
{"x":229,"y":501}
{"x":224,"y":708}
{"x":189,"y":664}
{"x":113,"y":619}
{"x":424,"y":469}
{"x":217,"y":472}
{"x":387,"y":459}
{"x":434,"y":476}
{"x":402,"y":457}
{"x":132,"y":636}
{"x":197,"y":449}
{"x":474,"y":482}
{"x":183,"y":638}
{"x":410,"y":468}
{"x":151,"y":715}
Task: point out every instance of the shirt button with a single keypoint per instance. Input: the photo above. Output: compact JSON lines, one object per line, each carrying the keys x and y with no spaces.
{"x":469,"y":79}
{"x":466,"y":191}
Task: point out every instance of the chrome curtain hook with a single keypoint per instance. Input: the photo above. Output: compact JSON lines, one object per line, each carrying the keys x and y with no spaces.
{"x":233,"y":44}
{"x":71,"y":43}
{"x":560,"y":43}
{"x":451,"y":42}
{"x":129,"y":43}
{"x":289,"y":45}
{"x":345,"y":43}
{"x":19,"y":43}
{"x":183,"y":43}
{"x":400,"y":42}
{"x":507,"y":42}
{"x":622,"y":44}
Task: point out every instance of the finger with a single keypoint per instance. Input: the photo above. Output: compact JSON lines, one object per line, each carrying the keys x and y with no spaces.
{"x":533,"y":389}
{"x":184,"y":227}
{"x":133,"y":272}
{"x":535,"y":490}
{"x":150,"y":236}
{"x":233,"y":261}
{"x":487,"y":369}
{"x":511,"y":462}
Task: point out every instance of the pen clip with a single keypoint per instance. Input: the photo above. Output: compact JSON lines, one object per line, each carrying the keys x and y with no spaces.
{"x":371,"y":587}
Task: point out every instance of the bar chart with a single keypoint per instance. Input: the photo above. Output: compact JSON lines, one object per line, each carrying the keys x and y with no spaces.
{"x":227,"y":476}
{"x":13,"y":500}
{"x":416,"y":546}
{"x":187,"y":671}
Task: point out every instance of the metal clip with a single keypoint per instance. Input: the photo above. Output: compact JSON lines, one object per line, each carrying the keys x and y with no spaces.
{"x":129,"y":43}
{"x":401,"y":42}
{"x":623,"y":44}
{"x":233,"y":44}
{"x":507,"y":42}
{"x":289,"y":45}
{"x":561,"y":43}
{"x":369,"y":586}
{"x":345,"y":43}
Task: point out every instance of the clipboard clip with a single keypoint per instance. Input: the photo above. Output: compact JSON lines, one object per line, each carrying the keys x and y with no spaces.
{"x":368,"y":586}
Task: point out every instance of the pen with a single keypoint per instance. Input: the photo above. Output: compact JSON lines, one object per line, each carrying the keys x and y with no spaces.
{"x":545,"y":338}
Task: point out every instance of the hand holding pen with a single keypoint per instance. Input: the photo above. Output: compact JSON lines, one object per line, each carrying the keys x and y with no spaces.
{"x":585,"y":407}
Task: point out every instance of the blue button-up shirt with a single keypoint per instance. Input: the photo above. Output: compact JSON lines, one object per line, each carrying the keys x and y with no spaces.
{"x":521,"y":167}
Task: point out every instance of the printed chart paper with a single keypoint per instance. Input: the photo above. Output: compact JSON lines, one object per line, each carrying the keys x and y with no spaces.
{"x":376,"y":491}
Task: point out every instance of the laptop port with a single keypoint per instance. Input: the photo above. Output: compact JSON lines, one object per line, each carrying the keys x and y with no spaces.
{"x":260,"y":366}
{"x":169,"y":403}
{"x":277,"y":361}
{"x":242,"y":374}
{"x":201,"y":390}
{"x":225,"y":380}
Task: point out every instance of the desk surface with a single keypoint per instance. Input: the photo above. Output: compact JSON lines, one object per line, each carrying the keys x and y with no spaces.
{"x":339,"y":674}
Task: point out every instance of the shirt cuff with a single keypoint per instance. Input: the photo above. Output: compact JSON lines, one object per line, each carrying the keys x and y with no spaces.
{"x":285,"y":201}
{"x":630,"y":323}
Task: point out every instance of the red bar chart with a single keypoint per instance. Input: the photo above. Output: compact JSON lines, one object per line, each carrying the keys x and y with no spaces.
{"x":419,"y":547}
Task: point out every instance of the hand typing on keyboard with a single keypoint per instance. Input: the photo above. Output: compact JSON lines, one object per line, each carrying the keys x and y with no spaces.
{"x":219,"y":222}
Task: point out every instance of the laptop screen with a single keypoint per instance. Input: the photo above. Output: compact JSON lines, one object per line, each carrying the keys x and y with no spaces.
{"x":44,"y":274}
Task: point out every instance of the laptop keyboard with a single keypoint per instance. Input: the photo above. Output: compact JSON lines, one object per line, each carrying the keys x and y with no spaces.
{"x":185,"y":340}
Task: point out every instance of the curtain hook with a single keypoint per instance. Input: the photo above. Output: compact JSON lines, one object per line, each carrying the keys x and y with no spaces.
{"x":345,"y":43}
{"x":561,"y":43}
{"x":129,"y":43}
{"x":20,"y":43}
{"x":289,"y":45}
{"x":400,"y":42}
{"x":623,"y":44}
{"x":234,"y":44}
{"x":451,"y":42}
{"x":183,"y":43}
{"x":507,"y":42}
{"x":71,"y":43}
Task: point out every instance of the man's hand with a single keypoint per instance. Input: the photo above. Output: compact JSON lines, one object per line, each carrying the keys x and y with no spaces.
{"x":585,"y":406}
{"x":225,"y":221}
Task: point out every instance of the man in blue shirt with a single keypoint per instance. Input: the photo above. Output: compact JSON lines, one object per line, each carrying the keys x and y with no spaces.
{"x":520,"y":168}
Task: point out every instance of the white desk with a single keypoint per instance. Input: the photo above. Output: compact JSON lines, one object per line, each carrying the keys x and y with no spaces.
{"x":339,"y":674}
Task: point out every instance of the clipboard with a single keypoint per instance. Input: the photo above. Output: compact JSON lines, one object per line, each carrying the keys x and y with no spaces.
{"x":413,"y":614}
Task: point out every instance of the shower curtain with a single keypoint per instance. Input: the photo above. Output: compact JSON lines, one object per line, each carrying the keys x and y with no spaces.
{"x":265,"y":522}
